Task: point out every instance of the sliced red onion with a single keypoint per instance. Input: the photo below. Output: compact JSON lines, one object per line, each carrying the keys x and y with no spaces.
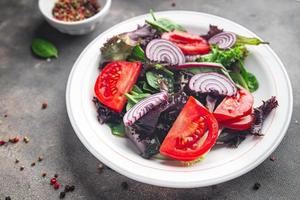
{"x":164,"y":51}
{"x":142,"y":107}
{"x":223,"y":40}
{"x":191,"y":58}
{"x":212,"y":82}
{"x":211,"y":103}
{"x":199,"y":64}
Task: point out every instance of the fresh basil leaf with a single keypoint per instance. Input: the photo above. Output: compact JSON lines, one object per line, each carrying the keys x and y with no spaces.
{"x":115,"y":49}
{"x":117,"y":129}
{"x":44,"y":48}
{"x":154,"y":77}
{"x":165,"y":25}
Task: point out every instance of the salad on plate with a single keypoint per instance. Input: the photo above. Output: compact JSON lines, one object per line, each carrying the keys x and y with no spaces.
{"x":176,"y":94}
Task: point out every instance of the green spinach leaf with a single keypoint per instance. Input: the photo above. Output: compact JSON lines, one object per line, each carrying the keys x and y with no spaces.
{"x":238,"y":79}
{"x":164,"y":24}
{"x":252,"y":82}
{"x":135,"y":96}
{"x":154,"y":79}
{"x":44,"y":48}
{"x":138,"y":54}
{"x":148,"y":88}
{"x":117,"y":129}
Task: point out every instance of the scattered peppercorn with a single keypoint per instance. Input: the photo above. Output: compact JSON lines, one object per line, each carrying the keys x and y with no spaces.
{"x":26,"y":139}
{"x":2,"y":142}
{"x":17,"y":161}
{"x":44,"y":174}
{"x":67,"y":188}
{"x":14,"y":140}
{"x":256,"y":186}
{"x":72,"y":188}
{"x":56,"y":185}
{"x":100,"y":167}
{"x":273,"y":158}
{"x":44,"y":105}
{"x":7,"y":198}
{"x":56,"y":175}
{"x":53,"y":181}
{"x":22,"y":168}
{"x":124,"y":185}
{"x":40,"y":159}
{"x":62,"y":195}
{"x":33,"y":164}
{"x":173,"y":4}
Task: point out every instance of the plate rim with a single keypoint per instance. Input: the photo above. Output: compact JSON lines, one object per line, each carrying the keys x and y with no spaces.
{"x":166,"y":183}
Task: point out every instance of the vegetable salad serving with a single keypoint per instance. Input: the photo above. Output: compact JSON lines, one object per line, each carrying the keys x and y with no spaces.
{"x":177,"y":94}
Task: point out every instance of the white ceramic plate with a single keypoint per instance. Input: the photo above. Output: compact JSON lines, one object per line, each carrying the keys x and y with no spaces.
{"x":221,"y":164}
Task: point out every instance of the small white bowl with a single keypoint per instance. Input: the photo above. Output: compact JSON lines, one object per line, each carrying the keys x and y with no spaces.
{"x":77,"y":27}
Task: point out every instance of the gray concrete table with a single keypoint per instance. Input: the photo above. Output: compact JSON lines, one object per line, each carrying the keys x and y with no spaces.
{"x":26,"y":82}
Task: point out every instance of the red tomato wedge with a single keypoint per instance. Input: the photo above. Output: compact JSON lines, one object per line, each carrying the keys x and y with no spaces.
{"x":116,"y":79}
{"x":241,"y":124}
{"x":235,"y":107}
{"x":190,"y":44}
{"x":194,"y":133}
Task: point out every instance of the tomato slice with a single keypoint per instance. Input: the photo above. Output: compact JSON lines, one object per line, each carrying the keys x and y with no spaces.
{"x":193,"y":133}
{"x":116,"y":79}
{"x":241,"y":124}
{"x":235,"y":107}
{"x":190,"y":44}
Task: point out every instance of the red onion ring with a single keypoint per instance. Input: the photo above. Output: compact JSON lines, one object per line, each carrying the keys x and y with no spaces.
{"x":223,"y":40}
{"x":212,"y":82}
{"x":164,"y":51}
{"x":142,"y":107}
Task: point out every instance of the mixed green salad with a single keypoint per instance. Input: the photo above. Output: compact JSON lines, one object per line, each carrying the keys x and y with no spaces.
{"x":177,"y":93}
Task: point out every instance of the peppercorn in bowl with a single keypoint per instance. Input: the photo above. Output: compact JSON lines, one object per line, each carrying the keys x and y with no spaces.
{"x":74,"y":17}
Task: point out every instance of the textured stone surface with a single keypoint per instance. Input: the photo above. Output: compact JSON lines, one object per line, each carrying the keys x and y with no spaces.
{"x":26,"y":82}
